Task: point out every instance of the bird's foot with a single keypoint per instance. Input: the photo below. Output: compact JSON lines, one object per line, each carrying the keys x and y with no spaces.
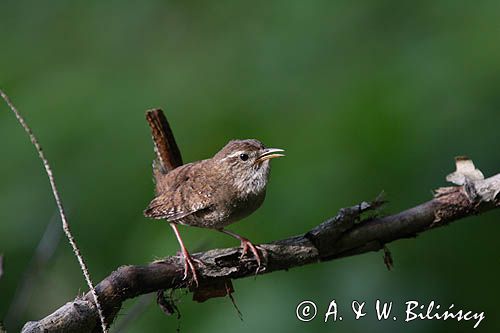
{"x":245,"y":245}
{"x":190,"y":267}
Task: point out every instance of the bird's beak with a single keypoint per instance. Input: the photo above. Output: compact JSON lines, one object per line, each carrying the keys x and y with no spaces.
{"x":269,"y":153}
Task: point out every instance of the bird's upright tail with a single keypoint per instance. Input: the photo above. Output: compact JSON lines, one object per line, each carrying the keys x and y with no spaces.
{"x":168,"y":156}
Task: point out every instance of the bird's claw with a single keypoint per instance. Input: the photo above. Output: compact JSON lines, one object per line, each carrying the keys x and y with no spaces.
{"x":189,"y":266}
{"x":245,"y":245}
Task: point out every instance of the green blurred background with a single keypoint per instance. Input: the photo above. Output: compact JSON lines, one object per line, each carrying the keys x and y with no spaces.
{"x":364,"y":97}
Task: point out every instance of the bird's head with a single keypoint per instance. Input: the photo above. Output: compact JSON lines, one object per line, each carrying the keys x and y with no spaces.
{"x":245,"y":163}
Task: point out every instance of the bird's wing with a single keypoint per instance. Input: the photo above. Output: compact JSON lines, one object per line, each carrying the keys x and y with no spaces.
{"x":188,"y":195}
{"x":163,"y":207}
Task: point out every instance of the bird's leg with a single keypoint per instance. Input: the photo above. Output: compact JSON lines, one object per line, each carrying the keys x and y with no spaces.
{"x":188,"y":261}
{"x":245,"y":245}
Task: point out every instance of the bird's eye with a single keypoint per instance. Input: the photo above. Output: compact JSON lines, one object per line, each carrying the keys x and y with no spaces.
{"x":243,"y":157}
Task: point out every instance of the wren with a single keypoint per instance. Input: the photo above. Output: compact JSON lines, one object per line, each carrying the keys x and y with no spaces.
{"x":211,"y":193}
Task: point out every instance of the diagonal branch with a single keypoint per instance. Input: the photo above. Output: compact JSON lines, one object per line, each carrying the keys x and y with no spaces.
{"x":348,"y":233}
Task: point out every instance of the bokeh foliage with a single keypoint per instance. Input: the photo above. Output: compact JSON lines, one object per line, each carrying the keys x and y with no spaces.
{"x":364,"y":97}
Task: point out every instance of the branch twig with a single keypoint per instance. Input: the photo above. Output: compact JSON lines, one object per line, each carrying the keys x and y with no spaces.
{"x":60,"y":206}
{"x":346,"y":234}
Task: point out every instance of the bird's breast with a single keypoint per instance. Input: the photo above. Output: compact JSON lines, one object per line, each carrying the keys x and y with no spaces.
{"x":241,"y":207}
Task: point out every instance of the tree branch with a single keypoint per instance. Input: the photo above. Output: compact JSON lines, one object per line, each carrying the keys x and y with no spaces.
{"x":348,"y":233}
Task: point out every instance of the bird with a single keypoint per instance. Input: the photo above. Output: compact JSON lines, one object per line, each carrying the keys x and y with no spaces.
{"x":211,"y":193}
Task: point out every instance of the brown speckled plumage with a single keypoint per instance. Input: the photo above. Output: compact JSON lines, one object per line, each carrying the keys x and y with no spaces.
{"x":211,"y":193}
{"x":207,"y":193}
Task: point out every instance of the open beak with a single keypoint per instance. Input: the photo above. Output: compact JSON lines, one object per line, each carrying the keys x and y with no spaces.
{"x":269,"y":153}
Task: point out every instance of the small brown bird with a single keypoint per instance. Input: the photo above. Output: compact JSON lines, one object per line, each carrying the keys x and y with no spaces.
{"x":211,"y":193}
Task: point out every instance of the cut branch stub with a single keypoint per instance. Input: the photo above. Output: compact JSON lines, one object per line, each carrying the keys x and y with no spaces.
{"x":325,"y":236}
